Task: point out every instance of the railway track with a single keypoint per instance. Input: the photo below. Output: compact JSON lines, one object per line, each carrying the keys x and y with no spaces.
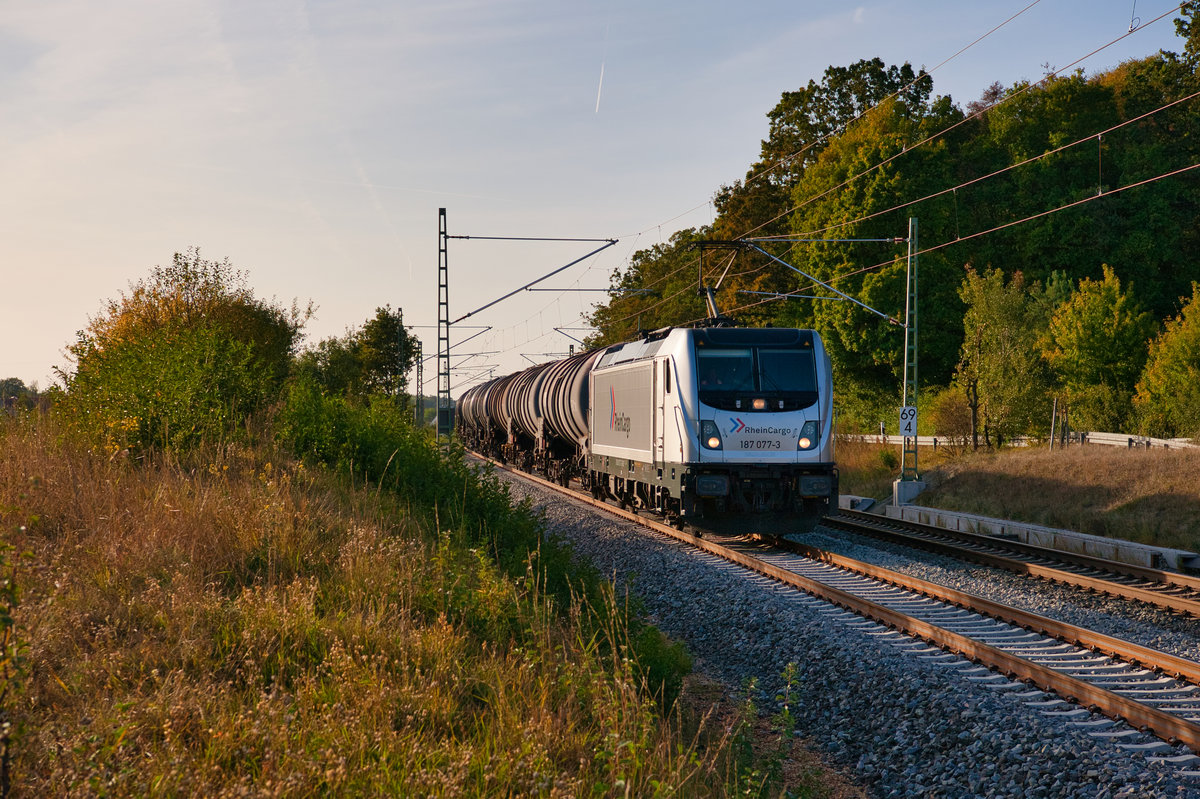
{"x":1179,"y":593}
{"x":1012,"y":649}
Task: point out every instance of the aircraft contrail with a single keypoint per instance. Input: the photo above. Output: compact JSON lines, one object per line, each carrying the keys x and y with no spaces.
{"x":600,"y":87}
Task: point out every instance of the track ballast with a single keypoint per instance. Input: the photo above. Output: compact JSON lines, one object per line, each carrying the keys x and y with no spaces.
{"x":679,"y":604}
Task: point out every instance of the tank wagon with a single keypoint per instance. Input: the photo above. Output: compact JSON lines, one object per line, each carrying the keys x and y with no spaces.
{"x":703,"y":425}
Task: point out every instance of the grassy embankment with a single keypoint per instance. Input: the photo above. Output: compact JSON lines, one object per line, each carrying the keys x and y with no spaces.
{"x":235,"y":622}
{"x":1150,"y":496}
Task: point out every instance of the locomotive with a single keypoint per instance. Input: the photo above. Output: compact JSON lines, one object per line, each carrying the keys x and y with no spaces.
{"x":712,"y":426}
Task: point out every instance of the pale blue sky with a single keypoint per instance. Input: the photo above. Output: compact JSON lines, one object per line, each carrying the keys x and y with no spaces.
{"x":312,"y":143}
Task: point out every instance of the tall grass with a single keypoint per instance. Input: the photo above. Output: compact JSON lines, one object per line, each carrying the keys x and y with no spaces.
{"x":238,"y":622}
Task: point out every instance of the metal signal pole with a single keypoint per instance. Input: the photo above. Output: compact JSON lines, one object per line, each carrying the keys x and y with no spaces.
{"x":445,"y":417}
{"x":908,"y":463}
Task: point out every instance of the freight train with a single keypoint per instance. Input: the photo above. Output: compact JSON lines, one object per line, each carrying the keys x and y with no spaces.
{"x":717,"y":427}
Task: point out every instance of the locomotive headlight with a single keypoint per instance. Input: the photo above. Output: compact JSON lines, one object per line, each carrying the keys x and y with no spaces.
{"x":809,"y":435}
{"x":710,"y":436}
{"x":759,"y":404}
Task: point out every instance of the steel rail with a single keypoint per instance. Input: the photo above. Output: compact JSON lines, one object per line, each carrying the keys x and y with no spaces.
{"x":1177,"y":667}
{"x":1178,"y":604}
{"x":1164,"y":725}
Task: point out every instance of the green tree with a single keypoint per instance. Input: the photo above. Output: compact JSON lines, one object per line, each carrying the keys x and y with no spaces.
{"x":1096,"y":345}
{"x":853,"y":155}
{"x":1032,"y":120}
{"x":854,"y":192}
{"x":1187,"y":27}
{"x":802,"y":125}
{"x":15,"y":394}
{"x":805,"y":120}
{"x":949,"y":416}
{"x":1001,"y":370}
{"x":374,"y":359}
{"x":1168,"y":393}
{"x":332,"y":365}
{"x":386,"y":351}
{"x":186,"y":356}
{"x":659,"y":288}
{"x":1151,"y":226}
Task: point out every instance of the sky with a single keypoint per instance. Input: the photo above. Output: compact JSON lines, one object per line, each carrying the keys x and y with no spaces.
{"x":312,"y":143}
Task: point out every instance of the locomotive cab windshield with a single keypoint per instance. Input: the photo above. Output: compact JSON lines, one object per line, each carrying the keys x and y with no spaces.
{"x":768,"y":376}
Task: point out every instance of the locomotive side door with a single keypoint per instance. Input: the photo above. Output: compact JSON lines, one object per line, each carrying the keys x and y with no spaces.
{"x":661,"y":383}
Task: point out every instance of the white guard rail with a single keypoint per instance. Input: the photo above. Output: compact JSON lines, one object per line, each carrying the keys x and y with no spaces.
{"x":1100,"y":439}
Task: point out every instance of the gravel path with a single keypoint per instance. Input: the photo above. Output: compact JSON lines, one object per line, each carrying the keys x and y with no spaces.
{"x":903,"y":726}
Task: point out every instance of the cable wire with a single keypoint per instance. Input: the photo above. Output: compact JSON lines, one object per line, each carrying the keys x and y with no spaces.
{"x":1006,"y":225}
{"x":924,"y":141}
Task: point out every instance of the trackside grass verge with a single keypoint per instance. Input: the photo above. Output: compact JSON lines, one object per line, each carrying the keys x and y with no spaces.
{"x":238,"y":622}
{"x":1150,"y":496}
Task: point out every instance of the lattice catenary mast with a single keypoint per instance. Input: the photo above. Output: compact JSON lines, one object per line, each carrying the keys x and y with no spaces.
{"x":444,"y":421}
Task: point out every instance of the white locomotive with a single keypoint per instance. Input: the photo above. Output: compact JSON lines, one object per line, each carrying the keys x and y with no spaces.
{"x":719,"y":423}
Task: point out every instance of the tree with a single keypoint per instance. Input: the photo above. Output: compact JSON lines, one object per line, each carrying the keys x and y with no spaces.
{"x":1026,"y":184}
{"x":1096,"y":345}
{"x":386,"y":351}
{"x":802,"y":125}
{"x":15,"y":394}
{"x":186,"y":356}
{"x":374,"y":359}
{"x":1168,"y":393}
{"x":950,"y":417}
{"x":857,"y":190}
{"x":1001,"y":370}
{"x":1187,"y":27}
{"x":1151,"y":227}
{"x":332,"y":365}
{"x":804,"y":121}
{"x":659,"y":288}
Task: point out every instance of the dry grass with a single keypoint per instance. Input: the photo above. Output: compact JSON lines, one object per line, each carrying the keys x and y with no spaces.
{"x":867,"y":469}
{"x":233,"y":626}
{"x":1151,"y":496}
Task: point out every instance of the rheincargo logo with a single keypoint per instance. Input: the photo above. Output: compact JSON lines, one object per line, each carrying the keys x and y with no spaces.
{"x":619,"y":421}
{"x":738,"y":426}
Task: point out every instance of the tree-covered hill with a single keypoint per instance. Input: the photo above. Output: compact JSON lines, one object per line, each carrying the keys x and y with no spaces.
{"x":1059,"y":186}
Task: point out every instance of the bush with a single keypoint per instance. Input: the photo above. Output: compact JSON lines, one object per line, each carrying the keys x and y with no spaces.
{"x":185,"y":357}
{"x":950,"y":417}
{"x":889,"y":459}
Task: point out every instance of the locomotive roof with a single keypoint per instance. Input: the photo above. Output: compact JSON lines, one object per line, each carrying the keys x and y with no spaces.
{"x":649,"y":346}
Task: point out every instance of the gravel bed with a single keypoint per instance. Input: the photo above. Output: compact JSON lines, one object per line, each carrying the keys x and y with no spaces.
{"x":1137,"y":622}
{"x":901,"y":726}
